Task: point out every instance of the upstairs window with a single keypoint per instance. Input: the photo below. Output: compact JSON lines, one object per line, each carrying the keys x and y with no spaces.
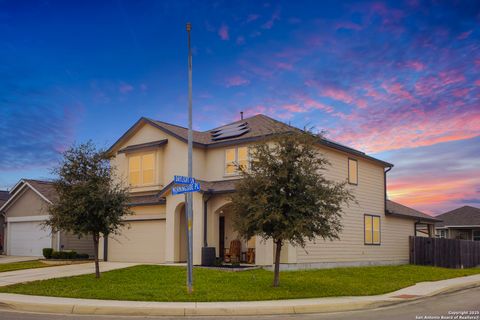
{"x":372,"y":229}
{"x":235,"y":157}
{"x":141,"y":169}
{"x":352,"y":171}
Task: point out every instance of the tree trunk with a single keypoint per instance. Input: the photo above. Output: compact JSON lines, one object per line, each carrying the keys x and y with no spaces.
{"x":96,"y":239}
{"x":276,"y":276}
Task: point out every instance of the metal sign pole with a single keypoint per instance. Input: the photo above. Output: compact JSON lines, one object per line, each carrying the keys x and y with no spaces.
{"x":189,"y":197}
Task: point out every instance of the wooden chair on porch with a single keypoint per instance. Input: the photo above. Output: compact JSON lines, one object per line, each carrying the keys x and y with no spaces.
{"x":232,"y":254}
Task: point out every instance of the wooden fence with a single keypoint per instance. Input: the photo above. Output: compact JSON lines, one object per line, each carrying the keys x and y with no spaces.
{"x":447,"y":253}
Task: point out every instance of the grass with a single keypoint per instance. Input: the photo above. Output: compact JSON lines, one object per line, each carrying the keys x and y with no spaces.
{"x":163,"y":283}
{"x":4,"y":267}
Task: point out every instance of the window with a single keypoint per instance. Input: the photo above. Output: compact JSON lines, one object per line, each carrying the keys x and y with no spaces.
{"x":372,"y":229}
{"x":352,"y":171}
{"x":441,"y":233}
{"x":476,"y":235}
{"x":230,"y":161}
{"x":141,"y":169}
{"x":235,"y":156}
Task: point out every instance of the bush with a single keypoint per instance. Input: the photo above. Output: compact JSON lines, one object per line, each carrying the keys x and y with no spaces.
{"x":83,"y":256}
{"x":64,"y":255}
{"x":47,"y":253}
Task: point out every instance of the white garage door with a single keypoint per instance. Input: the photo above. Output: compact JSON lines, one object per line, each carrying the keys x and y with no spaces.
{"x":144,"y":241}
{"x":28,"y":238}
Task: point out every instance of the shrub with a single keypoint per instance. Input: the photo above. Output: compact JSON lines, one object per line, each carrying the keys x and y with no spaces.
{"x":83,"y":256}
{"x":47,"y":253}
{"x":64,"y":255}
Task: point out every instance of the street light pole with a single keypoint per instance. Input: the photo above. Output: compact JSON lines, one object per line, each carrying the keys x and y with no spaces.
{"x":189,"y":195}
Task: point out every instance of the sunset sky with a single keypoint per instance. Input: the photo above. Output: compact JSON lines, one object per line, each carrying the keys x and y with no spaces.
{"x":398,"y":80}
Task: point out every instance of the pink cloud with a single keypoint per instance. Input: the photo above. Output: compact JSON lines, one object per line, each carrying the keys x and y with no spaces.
{"x":348,"y":25}
{"x":464,"y":35}
{"x":284,"y":66}
{"x":431,"y":193}
{"x":125,"y":88}
{"x":269,"y":24}
{"x":236,"y":81}
{"x":337,"y":94}
{"x":477,"y":83}
{"x":223,"y":32}
{"x":398,"y":90}
{"x":416,"y":65}
{"x":381,"y":130}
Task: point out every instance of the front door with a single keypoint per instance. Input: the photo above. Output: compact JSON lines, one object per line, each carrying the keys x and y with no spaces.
{"x":221,"y":234}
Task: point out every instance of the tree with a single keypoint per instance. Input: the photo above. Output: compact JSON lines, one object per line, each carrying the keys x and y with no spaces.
{"x":91,"y":202}
{"x":284,"y":195}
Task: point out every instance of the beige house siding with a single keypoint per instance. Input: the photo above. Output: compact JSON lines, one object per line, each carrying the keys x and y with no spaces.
{"x":141,"y":241}
{"x":369,"y":194}
{"x":171,"y":158}
{"x":69,"y":241}
{"x":29,"y":203}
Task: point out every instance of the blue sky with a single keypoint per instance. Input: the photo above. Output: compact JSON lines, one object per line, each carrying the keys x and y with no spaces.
{"x":399,"y":80}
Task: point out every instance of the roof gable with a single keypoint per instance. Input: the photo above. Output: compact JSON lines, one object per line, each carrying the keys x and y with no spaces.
{"x":44,"y":189}
{"x":260,"y":127}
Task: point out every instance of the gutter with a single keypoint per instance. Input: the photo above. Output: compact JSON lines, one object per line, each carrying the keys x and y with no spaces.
{"x":385,"y":187}
{"x":208,"y":196}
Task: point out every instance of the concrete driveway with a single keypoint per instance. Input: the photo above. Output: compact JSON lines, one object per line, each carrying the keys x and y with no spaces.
{"x":20,"y":276}
{"x":10,"y":259}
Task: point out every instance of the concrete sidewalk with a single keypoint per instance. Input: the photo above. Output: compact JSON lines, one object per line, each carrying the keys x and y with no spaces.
{"x":10,"y":259}
{"x":318,"y":305}
{"x":20,"y":276}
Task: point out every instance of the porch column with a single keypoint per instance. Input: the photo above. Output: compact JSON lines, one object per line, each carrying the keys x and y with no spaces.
{"x":263,"y":252}
{"x":172,"y":227}
{"x":197,"y":227}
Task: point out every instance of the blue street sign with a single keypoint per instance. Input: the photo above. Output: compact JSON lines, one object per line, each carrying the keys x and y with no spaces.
{"x":183,"y":180}
{"x":188,"y":188}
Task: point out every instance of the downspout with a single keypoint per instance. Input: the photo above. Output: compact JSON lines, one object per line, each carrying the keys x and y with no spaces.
{"x":385,"y":187}
{"x":208,"y":196}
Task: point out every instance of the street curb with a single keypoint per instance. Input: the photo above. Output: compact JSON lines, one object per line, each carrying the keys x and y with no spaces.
{"x":44,"y":304}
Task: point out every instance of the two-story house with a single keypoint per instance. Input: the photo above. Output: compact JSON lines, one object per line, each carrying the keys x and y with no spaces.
{"x":151,"y":152}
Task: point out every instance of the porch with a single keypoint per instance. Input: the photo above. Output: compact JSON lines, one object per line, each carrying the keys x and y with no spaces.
{"x":212,"y":227}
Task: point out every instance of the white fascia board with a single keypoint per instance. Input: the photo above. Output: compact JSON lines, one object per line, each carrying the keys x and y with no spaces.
{"x":13,"y":196}
{"x":28,"y":218}
{"x":37,"y":192}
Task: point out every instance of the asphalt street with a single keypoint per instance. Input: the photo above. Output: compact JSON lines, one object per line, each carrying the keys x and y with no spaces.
{"x":445,"y":305}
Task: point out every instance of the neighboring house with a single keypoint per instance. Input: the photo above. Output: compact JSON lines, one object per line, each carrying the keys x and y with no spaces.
{"x":151,"y":152}
{"x":462,"y":223}
{"x":25,"y":211}
{"x":4,"y":195}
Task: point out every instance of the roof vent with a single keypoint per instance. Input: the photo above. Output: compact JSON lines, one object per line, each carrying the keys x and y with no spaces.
{"x":230,"y":131}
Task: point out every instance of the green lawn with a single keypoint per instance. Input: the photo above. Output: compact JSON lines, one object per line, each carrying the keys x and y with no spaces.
{"x":162,"y":283}
{"x":22,"y":265}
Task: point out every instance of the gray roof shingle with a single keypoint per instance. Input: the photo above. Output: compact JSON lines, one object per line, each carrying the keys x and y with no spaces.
{"x":463,"y":216}
{"x":397,"y":209}
{"x":260,"y":126}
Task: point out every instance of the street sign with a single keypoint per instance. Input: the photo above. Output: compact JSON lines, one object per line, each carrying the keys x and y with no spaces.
{"x":194,"y":187}
{"x":183,"y":180}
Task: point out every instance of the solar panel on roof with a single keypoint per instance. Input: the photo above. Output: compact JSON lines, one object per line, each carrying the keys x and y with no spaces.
{"x":230,"y":131}
{"x":230,"y":126}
